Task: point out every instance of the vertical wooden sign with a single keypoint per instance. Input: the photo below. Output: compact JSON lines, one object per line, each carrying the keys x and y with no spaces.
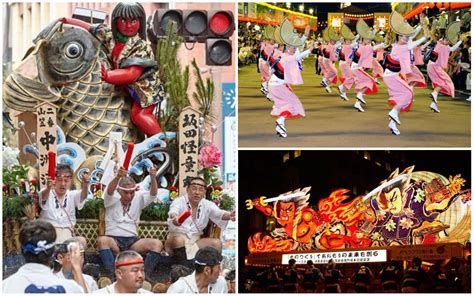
{"x":46,"y":137}
{"x":188,"y":145}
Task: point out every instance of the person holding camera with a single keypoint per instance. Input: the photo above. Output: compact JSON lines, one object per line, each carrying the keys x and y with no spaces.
{"x":37,"y":240}
{"x":185,"y":236}
{"x":58,"y":202}
{"x":64,"y":257}
{"x":206,"y":278}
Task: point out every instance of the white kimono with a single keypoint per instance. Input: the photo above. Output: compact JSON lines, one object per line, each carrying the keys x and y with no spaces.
{"x":38,"y":278}
{"x":188,"y":285}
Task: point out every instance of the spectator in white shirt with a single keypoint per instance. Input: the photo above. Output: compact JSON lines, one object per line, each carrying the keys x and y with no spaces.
{"x":206,"y":278}
{"x":122,"y":217}
{"x":37,"y":240}
{"x":66,"y":271}
{"x":58,"y":203}
{"x":184,"y":239}
{"x":130,"y":275}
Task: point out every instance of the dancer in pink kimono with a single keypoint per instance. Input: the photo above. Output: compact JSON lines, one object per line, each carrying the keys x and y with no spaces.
{"x":271,"y":54}
{"x":287,"y":72}
{"x":437,"y":65}
{"x":365,"y":84}
{"x":329,"y":57}
{"x":322,"y":52}
{"x":397,"y":67}
{"x":377,"y":70}
{"x":347,"y":78}
{"x":263,"y":66}
{"x":416,"y":78}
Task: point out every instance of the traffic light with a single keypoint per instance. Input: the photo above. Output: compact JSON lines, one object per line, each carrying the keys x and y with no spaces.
{"x":195,"y":25}
{"x":213,"y":27}
{"x":161,"y":18}
{"x":218,"y":45}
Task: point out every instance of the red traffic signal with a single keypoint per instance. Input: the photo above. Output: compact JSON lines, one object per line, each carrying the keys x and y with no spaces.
{"x":213,"y":27}
{"x":220,"y":23}
{"x":218,"y":52}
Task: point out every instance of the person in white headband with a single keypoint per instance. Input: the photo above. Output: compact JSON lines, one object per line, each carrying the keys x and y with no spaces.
{"x":123,"y":206}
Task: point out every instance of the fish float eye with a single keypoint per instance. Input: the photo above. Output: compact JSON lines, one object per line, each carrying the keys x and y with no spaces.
{"x":73,"y":50}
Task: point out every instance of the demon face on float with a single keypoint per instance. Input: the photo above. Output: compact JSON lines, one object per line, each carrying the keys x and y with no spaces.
{"x":407,"y":208}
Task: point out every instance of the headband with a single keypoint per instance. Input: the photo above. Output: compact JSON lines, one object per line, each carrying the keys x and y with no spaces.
{"x":126,"y":262}
{"x":128,"y":188}
{"x":211,"y":262}
{"x":40,"y":246}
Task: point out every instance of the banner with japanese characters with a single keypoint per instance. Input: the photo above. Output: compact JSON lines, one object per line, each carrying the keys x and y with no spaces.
{"x":428,"y":252}
{"x":188,"y":145}
{"x":47,"y":137}
{"x":363,"y":256}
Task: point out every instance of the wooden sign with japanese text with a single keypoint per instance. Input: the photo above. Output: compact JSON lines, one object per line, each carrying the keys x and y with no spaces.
{"x":188,"y":145}
{"x":46,"y":137}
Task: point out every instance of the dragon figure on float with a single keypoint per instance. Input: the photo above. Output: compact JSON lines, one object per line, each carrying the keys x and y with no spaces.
{"x":409,"y":207}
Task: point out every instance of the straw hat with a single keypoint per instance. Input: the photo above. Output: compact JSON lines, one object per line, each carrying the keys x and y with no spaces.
{"x":326,"y":35}
{"x":347,"y":33}
{"x":400,"y":25}
{"x":268,"y":33}
{"x":276,"y":36}
{"x":452,"y":32}
{"x":333,"y":36}
{"x":364,"y":30}
{"x":402,"y":7}
{"x":379,"y":37}
{"x":288,"y":34}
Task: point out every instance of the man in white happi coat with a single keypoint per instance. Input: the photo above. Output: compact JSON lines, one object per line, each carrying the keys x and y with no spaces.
{"x":206,"y":278}
{"x":58,"y":203}
{"x":37,"y":240}
{"x":123,"y":207}
{"x":185,"y":237}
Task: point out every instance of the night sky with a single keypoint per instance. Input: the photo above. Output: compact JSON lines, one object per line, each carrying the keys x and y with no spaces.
{"x":265,"y":173}
{"x":322,"y":9}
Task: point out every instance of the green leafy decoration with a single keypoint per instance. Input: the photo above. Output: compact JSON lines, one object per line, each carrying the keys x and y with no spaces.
{"x":155,"y":212}
{"x":175,"y":79}
{"x":420,"y":195}
{"x":390,"y":226}
{"x":204,"y":94}
{"x":91,"y":209}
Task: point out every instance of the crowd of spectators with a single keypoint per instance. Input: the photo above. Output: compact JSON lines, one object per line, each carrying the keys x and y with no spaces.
{"x":444,"y":276}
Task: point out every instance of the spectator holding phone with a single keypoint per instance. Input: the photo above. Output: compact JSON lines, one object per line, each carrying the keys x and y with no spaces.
{"x":65,"y":258}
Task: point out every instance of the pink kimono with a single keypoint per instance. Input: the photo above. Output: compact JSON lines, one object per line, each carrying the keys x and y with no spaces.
{"x":263,"y":65}
{"x":330,"y":72}
{"x":286,"y":103}
{"x":377,"y":70}
{"x":320,"y":60}
{"x":347,"y":78}
{"x":416,"y":76}
{"x":436,"y":70}
{"x":364,"y":80}
{"x":399,"y":91}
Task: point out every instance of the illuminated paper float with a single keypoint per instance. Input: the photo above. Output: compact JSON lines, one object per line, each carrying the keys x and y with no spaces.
{"x":408,"y":208}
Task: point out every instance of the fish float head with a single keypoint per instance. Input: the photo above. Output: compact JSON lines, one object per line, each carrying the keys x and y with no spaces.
{"x":65,"y":54}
